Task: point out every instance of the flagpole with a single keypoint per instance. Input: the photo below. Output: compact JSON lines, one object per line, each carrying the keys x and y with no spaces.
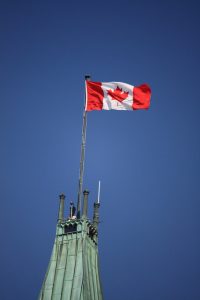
{"x":82,"y":158}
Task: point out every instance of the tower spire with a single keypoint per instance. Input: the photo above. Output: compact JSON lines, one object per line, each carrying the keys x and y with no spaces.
{"x":73,"y":271}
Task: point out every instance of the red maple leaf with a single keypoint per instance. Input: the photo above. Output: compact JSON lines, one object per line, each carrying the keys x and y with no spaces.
{"x":117,"y":94}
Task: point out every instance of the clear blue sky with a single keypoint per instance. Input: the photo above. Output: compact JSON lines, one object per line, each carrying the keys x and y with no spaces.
{"x":148,"y":161}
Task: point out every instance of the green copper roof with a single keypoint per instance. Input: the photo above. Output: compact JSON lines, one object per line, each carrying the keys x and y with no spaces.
{"x":73,"y":272}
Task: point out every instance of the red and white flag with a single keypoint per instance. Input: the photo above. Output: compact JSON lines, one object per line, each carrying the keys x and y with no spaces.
{"x":116,"y":95}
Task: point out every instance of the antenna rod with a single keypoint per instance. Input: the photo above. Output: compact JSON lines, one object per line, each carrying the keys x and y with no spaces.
{"x":82,"y":159}
{"x":98,"y":198}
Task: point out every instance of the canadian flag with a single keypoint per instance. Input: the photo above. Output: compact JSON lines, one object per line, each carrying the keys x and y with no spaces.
{"x":116,"y":95}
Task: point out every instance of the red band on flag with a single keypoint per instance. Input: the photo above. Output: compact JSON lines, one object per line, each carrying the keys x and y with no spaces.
{"x":94,"y":96}
{"x":141,"y":96}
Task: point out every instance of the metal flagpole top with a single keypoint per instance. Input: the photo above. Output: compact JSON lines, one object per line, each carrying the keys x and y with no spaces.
{"x":87,"y":77}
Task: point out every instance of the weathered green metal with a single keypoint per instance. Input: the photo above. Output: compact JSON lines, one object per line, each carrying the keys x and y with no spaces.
{"x":96,"y":215}
{"x":73,"y":272}
{"x":85,"y":203}
{"x":61,"y":208}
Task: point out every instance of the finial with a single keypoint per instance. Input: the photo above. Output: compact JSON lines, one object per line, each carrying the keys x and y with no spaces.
{"x":61,"y":208}
{"x":85,"y":203}
{"x":86,"y":192}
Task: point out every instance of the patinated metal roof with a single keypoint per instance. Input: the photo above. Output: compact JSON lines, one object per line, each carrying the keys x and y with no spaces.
{"x":73,"y":272}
